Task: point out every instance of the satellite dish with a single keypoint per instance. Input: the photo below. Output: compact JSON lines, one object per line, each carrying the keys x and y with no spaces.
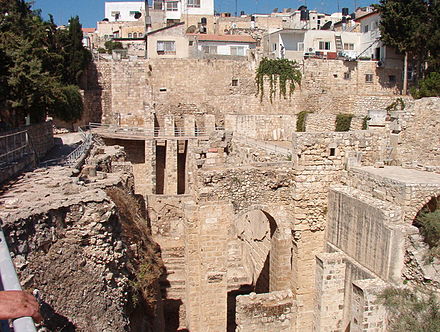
{"x":191,"y":29}
{"x":275,"y":10}
{"x":327,"y":25}
{"x":137,"y":15}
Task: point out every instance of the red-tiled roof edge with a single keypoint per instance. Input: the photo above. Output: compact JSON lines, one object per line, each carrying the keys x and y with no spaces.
{"x":88,"y":29}
{"x":224,"y":38}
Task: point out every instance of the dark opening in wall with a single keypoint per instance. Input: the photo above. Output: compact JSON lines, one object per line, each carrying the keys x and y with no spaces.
{"x":181,"y":166}
{"x":161,"y":148}
{"x":332,"y":152}
{"x":234,"y":82}
{"x":163,"y":89}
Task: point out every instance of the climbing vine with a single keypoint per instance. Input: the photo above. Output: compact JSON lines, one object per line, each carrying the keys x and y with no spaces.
{"x":280,"y":72}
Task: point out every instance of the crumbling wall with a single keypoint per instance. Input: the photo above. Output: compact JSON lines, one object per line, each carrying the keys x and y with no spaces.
{"x":72,"y":242}
{"x":247,"y":186}
{"x":271,"y":312}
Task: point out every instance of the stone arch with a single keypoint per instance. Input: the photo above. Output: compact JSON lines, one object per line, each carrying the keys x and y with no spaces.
{"x":265,"y":247}
{"x":425,"y":202}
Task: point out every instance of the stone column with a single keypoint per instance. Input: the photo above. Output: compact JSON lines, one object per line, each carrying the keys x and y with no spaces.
{"x":206,"y":253}
{"x":169,"y":125}
{"x":280,"y":260}
{"x":209,"y":123}
{"x":189,"y":124}
{"x":366,"y":314}
{"x":171,"y":168}
{"x":330,"y":284}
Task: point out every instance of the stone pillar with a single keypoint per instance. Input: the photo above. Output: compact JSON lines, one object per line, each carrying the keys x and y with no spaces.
{"x":169,"y":125}
{"x":280,"y":260}
{"x":330,"y":284}
{"x":150,"y":165}
{"x":310,"y":244}
{"x":209,"y":123}
{"x":171,"y":168}
{"x":366,"y":314}
{"x":149,"y":124}
{"x":189,"y":124}
{"x":206,"y":254}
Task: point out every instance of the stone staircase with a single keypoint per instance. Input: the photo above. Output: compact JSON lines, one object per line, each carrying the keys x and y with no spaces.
{"x":173,"y":283}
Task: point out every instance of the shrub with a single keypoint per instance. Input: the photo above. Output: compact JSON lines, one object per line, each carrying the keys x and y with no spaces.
{"x":112,"y":45}
{"x":343,"y":122}
{"x":428,"y":87}
{"x":301,"y":121}
{"x":365,"y":122}
{"x":411,"y":310}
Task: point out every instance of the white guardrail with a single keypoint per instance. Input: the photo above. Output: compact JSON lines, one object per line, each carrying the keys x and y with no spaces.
{"x":9,"y":281}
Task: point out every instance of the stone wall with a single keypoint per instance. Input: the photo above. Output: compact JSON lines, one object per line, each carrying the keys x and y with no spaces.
{"x":319,"y":161}
{"x":408,"y":189}
{"x":130,"y":89}
{"x":262,"y":127}
{"x":41,"y":138}
{"x":419,"y":142}
{"x":272,"y":312}
{"x":248,"y":186}
{"x":367,"y":230}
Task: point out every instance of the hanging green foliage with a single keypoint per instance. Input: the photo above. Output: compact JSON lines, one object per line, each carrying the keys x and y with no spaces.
{"x":278,"y":71}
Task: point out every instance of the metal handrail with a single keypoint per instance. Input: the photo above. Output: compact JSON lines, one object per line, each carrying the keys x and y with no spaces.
{"x":9,"y":280}
{"x":152,"y":132}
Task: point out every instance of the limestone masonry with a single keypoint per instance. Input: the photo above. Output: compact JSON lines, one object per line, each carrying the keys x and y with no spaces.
{"x":260,"y":227}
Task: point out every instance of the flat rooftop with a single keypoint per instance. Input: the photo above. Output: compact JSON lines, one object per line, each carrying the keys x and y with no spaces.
{"x":404,"y":175}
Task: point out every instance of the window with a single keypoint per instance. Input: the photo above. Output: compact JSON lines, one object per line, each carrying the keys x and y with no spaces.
{"x":172,"y":6}
{"x":300,"y":46}
{"x":166,"y":47}
{"x":348,"y":46}
{"x":234,"y":82}
{"x":274,"y":47}
{"x":140,"y":35}
{"x":190,"y":43}
{"x":332,"y":152}
{"x":392,"y":78}
{"x":193,"y":4}
{"x":366,"y":28}
{"x":130,"y":35}
{"x":324,"y":45}
{"x":135,"y":35}
{"x":346,"y":76}
{"x":237,"y":50}
{"x":209,"y":49}
{"x":369,"y":78}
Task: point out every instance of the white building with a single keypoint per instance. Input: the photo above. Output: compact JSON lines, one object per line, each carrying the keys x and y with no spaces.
{"x":294,"y":44}
{"x":174,"y":10}
{"x":207,"y":45}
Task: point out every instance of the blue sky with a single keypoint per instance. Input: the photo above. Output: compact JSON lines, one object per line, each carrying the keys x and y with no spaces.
{"x":91,"y":11}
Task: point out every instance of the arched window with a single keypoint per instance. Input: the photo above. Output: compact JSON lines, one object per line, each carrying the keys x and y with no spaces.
{"x":135,"y":35}
{"x":129,"y":35}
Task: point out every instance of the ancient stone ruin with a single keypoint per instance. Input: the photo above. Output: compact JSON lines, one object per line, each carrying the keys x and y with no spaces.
{"x":250,"y":224}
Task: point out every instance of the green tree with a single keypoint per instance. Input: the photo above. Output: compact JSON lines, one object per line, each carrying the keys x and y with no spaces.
{"x":39,"y":65}
{"x":76,"y":56}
